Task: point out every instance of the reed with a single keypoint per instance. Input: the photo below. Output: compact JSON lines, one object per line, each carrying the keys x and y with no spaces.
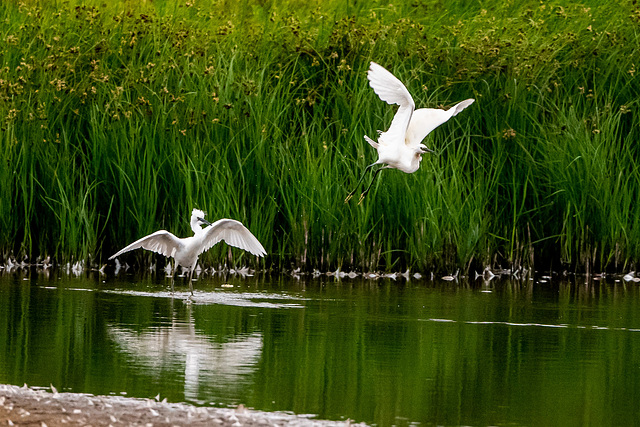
{"x":118,"y":119}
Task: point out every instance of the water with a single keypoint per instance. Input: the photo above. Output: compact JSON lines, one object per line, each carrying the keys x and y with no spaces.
{"x":379,"y":352}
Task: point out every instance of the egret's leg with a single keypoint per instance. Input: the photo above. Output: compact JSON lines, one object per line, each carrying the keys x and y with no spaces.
{"x":350,"y":195}
{"x":364,"y":193}
{"x":190,"y":275}
{"x":173,"y":274}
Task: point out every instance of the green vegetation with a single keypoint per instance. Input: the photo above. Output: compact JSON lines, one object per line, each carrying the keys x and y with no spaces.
{"x":116,"y":120}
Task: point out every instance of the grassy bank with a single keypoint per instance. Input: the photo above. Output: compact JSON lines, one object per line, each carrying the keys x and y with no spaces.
{"x":118,"y":120}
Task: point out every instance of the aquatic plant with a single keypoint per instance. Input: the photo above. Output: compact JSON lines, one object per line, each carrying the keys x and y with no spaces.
{"x":118,"y":119}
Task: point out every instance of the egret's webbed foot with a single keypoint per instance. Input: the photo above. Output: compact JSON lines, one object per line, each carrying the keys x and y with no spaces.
{"x":350,"y":195}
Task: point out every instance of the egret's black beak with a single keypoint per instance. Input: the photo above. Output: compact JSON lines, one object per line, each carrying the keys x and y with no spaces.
{"x":204,"y":221}
{"x":425,"y":149}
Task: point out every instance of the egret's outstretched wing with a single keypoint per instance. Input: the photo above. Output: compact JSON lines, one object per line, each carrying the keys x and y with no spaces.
{"x":392,"y":91}
{"x":232,"y":232}
{"x":425,"y":120}
{"x":461,"y":106}
{"x":162,"y":242}
{"x":387,"y":86}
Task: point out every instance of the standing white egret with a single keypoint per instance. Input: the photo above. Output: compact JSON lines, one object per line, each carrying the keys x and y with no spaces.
{"x":186,"y":251}
{"x":401,"y":147}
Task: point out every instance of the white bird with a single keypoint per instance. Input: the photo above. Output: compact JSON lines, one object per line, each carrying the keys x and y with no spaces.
{"x":400,"y":147}
{"x":186,"y":251}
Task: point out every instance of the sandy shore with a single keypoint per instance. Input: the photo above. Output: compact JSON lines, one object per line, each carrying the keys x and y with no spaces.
{"x":24,"y":406}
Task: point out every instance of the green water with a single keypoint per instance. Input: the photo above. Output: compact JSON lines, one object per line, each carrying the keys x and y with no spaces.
{"x":380,"y":352}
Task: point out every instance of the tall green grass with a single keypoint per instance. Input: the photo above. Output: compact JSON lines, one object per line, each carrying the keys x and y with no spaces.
{"x":118,"y":119}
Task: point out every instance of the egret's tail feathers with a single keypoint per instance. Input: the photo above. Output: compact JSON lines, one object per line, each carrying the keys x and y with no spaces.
{"x":371,"y":141}
{"x":461,"y":106}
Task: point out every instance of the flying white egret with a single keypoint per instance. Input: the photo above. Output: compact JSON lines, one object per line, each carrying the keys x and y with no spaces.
{"x":400,"y":147}
{"x":186,"y":251}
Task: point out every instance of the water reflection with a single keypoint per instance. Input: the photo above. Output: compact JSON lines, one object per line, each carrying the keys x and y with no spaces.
{"x":219,"y":367}
{"x":384,"y":352}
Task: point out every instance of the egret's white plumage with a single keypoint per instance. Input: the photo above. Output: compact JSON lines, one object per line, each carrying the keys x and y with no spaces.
{"x":400,"y":147}
{"x":186,"y":250}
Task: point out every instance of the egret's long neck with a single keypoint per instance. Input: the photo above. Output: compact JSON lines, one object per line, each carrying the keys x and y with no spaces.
{"x":195,"y":225}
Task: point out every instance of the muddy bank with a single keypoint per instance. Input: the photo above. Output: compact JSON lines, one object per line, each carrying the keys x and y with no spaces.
{"x":23,"y":406}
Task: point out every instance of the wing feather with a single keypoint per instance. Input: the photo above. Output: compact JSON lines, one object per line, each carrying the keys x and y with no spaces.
{"x":425,"y":120}
{"x":391,"y":90}
{"x":388,"y":87}
{"x":234,"y":233}
{"x":162,"y":242}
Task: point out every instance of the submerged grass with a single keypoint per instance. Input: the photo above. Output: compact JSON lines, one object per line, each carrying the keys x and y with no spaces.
{"x":117,"y":120}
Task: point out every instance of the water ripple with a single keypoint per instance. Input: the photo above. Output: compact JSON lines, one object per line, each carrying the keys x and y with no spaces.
{"x":244,"y":299}
{"x":540,"y":325}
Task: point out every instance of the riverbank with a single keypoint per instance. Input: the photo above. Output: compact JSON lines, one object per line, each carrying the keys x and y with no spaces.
{"x":22,"y":406}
